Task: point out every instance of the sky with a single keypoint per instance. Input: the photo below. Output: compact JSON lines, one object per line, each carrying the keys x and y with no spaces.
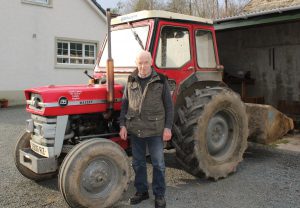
{"x":108,"y":3}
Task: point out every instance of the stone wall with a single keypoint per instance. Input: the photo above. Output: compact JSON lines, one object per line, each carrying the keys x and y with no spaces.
{"x":271,"y":53}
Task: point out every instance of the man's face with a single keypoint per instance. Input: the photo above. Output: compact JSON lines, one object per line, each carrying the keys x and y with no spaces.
{"x":143,"y":63}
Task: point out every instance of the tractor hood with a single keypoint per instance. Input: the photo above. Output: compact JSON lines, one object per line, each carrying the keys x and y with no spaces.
{"x":57,"y":100}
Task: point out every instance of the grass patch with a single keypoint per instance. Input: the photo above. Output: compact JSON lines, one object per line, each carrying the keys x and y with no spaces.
{"x":276,"y":143}
{"x":273,"y":145}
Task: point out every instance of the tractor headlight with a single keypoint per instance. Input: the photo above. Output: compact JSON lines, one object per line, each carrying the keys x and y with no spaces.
{"x":35,"y":100}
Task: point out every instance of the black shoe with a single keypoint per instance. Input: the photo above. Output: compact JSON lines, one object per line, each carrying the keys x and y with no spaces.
{"x":139,"y":197}
{"x":160,"y":202}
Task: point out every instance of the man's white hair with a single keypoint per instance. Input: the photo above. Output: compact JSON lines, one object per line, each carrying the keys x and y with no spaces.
{"x":144,"y":53}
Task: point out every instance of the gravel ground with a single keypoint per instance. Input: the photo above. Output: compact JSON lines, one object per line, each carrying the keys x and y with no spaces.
{"x":266,"y":178}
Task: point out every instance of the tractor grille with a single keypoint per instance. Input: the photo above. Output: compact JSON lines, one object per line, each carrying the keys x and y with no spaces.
{"x":44,"y":129}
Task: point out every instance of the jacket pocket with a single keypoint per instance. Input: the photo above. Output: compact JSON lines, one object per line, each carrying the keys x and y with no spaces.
{"x":157,"y":122}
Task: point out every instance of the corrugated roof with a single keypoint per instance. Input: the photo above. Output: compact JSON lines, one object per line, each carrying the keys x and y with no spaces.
{"x":258,"y":13}
{"x":263,"y":5}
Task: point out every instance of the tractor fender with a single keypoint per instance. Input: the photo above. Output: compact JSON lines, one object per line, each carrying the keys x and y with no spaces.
{"x":208,"y":77}
{"x":195,"y":81}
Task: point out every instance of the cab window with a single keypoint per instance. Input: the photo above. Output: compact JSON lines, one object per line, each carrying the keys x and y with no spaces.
{"x":205,"y":49}
{"x":173,"y":47}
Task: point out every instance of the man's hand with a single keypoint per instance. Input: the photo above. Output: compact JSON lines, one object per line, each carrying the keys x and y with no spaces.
{"x":167,"y":135}
{"x":123,"y":133}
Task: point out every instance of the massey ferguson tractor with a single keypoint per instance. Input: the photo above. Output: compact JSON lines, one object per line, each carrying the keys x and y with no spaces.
{"x":73,"y":130}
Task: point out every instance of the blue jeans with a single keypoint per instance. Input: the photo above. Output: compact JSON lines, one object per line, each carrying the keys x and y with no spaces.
{"x":155,"y":146}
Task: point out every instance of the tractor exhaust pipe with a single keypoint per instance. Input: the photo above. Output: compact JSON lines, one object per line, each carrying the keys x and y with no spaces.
{"x":109,"y":69}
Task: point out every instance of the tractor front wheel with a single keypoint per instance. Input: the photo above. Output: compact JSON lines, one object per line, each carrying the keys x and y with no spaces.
{"x":95,"y":173}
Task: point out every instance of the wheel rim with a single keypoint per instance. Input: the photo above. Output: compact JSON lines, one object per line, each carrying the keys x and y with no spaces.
{"x":99,"y":177}
{"x":220,"y":135}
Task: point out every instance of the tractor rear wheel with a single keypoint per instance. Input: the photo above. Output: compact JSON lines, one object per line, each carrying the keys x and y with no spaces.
{"x":95,"y":173}
{"x":24,"y":142}
{"x":210,"y":132}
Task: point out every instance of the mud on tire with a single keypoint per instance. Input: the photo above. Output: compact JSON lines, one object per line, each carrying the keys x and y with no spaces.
{"x":95,"y":173}
{"x":210,"y":132}
{"x":24,"y":142}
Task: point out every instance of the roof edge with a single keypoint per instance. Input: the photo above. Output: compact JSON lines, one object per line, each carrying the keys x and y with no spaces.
{"x":256,"y":14}
{"x":99,"y":6}
{"x":94,"y":4}
{"x":157,"y":14}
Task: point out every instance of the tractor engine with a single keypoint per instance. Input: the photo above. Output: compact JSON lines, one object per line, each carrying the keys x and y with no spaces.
{"x":91,"y":124}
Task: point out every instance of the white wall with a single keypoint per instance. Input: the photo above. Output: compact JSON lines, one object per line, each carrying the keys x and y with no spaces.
{"x":27,"y":61}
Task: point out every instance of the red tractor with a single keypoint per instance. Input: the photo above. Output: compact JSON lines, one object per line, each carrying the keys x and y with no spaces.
{"x":73,"y":130}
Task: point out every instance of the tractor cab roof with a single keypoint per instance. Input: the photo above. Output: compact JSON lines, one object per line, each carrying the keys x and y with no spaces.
{"x":150,"y":14}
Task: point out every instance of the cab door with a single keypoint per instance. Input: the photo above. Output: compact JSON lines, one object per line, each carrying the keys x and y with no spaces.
{"x":172,"y":55}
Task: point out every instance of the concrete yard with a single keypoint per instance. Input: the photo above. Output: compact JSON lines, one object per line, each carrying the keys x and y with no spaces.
{"x":290,"y":142}
{"x":268,"y":177}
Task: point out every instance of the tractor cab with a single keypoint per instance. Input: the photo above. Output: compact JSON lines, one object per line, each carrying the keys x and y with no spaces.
{"x":180,"y":45}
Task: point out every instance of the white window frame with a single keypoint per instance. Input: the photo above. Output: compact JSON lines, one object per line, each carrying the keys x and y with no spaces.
{"x":69,"y":57}
{"x":46,"y":3}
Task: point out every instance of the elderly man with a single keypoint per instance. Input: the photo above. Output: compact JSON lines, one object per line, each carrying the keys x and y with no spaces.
{"x":147,"y":114}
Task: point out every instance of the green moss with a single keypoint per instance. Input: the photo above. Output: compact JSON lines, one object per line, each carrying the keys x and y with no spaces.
{"x":273,"y":145}
{"x":276,"y":143}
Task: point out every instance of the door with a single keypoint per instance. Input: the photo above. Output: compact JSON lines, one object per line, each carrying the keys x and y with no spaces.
{"x":172,"y":55}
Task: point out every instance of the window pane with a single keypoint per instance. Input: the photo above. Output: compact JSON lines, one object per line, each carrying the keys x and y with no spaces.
{"x":122,"y":58}
{"x":205,"y":49}
{"x":74,"y":53}
{"x":59,"y":48}
{"x":72,"y":46}
{"x":65,"y":46}
{"x":174,"y":47}
{"x":89,"y":50}
{"x":76,"y":61}
{"x":65,"y":60}
{"x":62,"y":60}
{"x":65,"y":52}
{"x":89,"y":61}
{"x":75,"y":49}
{"x":92,"y":54}
{"x":92,"y":51}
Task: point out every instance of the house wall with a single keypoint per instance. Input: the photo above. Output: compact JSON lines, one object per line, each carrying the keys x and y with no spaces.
{"x":271,"y":54}
{"x":27,"y":43}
